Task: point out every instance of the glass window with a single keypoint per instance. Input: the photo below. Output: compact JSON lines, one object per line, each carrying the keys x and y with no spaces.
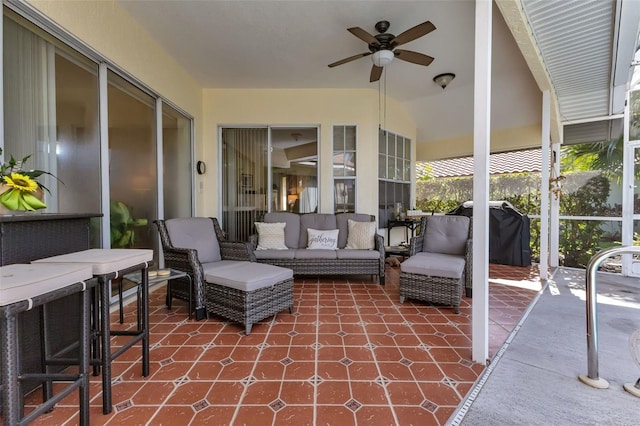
{"x":344,"y":164}
{"x":394,"y":174}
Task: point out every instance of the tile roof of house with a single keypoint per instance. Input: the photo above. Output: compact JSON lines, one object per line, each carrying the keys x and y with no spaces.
{"x":529,"y":160}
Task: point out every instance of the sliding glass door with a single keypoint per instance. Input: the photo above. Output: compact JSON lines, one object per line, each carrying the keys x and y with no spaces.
{"x":267,"y":169}
{"x":51,"y":114}
{"x":177,"y":165}
{"x":132,"y":165}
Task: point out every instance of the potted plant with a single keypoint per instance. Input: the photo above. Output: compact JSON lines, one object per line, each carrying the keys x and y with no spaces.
{"x":123,"y":225}
{"x":19,"y":189}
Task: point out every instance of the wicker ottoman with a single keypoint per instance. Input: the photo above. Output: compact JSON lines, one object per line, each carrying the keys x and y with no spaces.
{"x":248,"y":292}
{"x":433,"y":277}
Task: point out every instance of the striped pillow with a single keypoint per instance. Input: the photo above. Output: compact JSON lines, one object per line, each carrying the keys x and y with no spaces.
{"x":271,"y":236}
{"x":361,"y":235}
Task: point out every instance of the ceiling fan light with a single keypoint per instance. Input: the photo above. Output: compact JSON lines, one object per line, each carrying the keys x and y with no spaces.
{"x":443,"y":80}
{"x":382,"y":57}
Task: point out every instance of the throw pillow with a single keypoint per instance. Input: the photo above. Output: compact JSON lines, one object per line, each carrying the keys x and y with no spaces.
{"x":322,"y":239}
{"x":271,"y":236}
{"x":361,"y":235}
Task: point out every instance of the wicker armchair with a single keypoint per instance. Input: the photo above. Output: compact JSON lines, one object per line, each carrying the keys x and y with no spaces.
{"x":440,"y":261}
{"x":190,"y":260}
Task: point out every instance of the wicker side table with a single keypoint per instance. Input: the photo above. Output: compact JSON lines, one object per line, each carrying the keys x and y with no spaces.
{"x":174,"y":274}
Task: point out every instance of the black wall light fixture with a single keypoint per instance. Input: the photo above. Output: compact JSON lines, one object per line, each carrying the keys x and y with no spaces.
{"x":201,"y":168}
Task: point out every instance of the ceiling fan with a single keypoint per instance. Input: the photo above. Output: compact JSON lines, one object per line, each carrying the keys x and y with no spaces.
{"x":383,"y":47}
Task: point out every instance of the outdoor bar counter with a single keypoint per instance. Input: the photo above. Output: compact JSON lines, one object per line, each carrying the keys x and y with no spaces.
{"x":31,"y":236}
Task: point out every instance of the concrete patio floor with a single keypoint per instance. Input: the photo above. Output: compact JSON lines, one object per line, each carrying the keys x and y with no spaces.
{"x":533,"y":379}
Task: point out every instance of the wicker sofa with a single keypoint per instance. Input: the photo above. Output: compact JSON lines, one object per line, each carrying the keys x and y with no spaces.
{"x":305,"y":261}
{"x":225,"y":278}
{"x":439,"y":263}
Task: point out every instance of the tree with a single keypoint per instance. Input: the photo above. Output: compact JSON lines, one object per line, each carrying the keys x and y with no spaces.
{"x":606,"y":156}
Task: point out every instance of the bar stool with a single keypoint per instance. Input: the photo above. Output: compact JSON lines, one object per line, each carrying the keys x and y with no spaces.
{"x":108,"y":264}
{"x":24,"y":287}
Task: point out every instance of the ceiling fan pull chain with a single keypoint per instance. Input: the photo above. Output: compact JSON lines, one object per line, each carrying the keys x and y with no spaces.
{"x":385,"y":98}
{"x":379,"y":105}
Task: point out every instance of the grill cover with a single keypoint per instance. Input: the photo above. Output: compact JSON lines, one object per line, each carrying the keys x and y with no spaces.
{"x":509,"y":233}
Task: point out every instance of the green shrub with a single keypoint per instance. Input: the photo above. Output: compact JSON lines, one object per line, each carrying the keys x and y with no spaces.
{"x":585,"y":194}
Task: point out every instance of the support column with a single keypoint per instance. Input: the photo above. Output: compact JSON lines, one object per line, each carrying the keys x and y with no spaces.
{"x":544,"y":185}
{"x":481,"y":150}
{"x":554,"y":219}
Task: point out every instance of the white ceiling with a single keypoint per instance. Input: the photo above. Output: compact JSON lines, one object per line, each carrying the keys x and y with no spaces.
{"x":288,"y":44}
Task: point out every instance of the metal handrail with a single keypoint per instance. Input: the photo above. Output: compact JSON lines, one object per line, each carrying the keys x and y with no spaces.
{"x":592,"y":378}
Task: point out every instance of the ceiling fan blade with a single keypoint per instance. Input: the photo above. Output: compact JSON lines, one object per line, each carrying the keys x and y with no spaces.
{"x":349,"y":59}
{"x":364,"y":36}
{"x":376,"y":72}
{"x":414,"y":57}
{"x":413,"y":33}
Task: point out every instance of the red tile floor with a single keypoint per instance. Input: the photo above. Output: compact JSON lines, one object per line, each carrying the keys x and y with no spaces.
{"x":350,"y":354}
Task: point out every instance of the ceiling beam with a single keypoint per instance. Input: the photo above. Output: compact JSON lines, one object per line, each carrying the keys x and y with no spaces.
{"x":299,"y":152}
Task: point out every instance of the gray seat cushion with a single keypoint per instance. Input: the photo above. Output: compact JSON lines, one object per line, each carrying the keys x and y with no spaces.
{"x":315,"y":254}
{"x":195,"y":233}
{"x":103,"y":261}
{"x":275,"y":254}
{"x":23,"y":282}
{"x":435,"y":265}
{"x":249,"y":276}
{"x":446,"y":234}
{"x":357,"y":254}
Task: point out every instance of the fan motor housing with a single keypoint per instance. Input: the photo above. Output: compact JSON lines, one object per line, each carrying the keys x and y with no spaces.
{"x":385,"y":41}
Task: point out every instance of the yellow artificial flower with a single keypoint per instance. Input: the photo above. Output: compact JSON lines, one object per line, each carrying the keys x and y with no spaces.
{"x":21,"y":182}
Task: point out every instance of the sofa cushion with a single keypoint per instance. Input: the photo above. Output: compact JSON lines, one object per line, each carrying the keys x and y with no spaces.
{"x":322,"y":239}
{"x":195,"y":233}
{"x":446,"y":234}
{"x":315,"y":254}
{"x":435,"y":265}
{"x":275,"y":254}
{"x":342,"y":220}
{"x":357,"y":254}
{"x":361,"y":235}
{"x":291,"y":230}
{"x":271,"y":235}
{"x":322,"y":221}
{"x":249,"y":276}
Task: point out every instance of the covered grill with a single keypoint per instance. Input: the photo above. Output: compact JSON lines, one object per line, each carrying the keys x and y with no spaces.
{"x":509,"y":233}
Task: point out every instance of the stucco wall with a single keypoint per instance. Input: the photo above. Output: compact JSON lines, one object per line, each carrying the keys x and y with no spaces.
{"x":107,"y":28}
{"x":308,"y":107}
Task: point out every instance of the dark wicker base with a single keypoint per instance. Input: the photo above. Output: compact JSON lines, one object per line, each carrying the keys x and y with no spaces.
{"x":249,"y":307}
{"x":330,"y":266}
{"x":446,"y":291}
